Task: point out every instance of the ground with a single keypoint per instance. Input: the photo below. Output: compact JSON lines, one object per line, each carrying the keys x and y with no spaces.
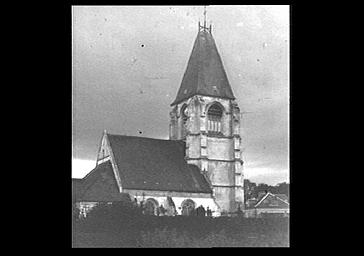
{"x":186,"y":232}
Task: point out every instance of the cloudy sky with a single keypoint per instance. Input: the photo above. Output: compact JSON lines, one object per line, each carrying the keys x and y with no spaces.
{"x":128,"y":64}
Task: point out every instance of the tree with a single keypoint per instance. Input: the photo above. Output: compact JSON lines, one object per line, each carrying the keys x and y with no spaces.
{"x":253,"y":190}
{"x":75,"y":212}
{"x":283,"y":188}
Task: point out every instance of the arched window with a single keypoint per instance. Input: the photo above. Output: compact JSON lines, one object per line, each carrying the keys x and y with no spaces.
{"x":214,"y":116}
{"x":184,"y":116}
{"x":150,"y":207}
{"x":188,"y":207}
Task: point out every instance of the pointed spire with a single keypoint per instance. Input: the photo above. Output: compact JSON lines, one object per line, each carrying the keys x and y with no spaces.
{"x":205,"y":73}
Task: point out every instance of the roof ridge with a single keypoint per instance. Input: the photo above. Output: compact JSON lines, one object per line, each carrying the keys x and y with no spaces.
{"x":282,"y":199}
{"x":263,"y":198}
{"x":94,"y":169}
{"x":140,"y":137}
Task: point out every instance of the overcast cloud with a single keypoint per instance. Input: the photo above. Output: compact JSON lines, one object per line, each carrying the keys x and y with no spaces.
{"x":128,"y":64}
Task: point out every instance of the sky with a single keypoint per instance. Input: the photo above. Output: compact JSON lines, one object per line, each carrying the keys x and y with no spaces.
{"x":128,"y":63}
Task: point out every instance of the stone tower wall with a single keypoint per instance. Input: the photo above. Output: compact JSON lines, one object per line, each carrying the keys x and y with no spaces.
{"x":218,"y":157}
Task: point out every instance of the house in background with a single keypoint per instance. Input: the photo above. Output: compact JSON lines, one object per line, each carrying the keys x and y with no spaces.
{"x":268,"y":205}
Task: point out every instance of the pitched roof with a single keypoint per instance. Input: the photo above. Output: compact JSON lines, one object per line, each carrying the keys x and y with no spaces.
{"x":205,"y":74}
{"x":284,"y":197}
{"x":98,"y":186}
{"x":261,"y":194}
{"x":153,"y":164}
{"x":76,"y":188}
{"x":271,"y":201}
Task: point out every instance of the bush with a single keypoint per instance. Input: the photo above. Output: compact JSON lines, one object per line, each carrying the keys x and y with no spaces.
{"x":163,"y":239}
{"x":133,"y":228}
{"x":171,"y":239}
{"x":75,"y":212}
{"x":111,"y":217}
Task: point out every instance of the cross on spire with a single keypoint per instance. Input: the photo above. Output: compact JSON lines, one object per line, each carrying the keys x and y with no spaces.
{"x":204,"y":28}
{"x":204,"y":19}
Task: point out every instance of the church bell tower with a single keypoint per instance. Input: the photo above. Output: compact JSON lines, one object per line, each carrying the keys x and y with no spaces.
{"x":206,"y":116}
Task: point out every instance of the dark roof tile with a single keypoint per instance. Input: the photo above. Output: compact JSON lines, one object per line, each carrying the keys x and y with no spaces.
{"x":205,"y":74}
{"x":153,"y":164}
{"x":76,"y":188}
{"x":98,"y":186}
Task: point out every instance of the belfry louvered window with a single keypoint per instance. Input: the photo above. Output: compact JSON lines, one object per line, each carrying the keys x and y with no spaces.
{"x":184,"y":115}
{"x":214,"y":116}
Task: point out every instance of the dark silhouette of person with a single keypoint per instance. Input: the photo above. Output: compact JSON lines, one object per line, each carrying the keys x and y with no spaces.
{"x":203,"y":211}
{"x":208,"y":211}
{"x":200,"y":211}
{"x":239,"y":211}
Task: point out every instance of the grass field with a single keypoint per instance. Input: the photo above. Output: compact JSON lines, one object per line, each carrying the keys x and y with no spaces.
{"x":169,"y":232}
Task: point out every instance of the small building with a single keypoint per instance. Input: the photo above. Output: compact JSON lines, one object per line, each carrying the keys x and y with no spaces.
{"x":269,"y":205}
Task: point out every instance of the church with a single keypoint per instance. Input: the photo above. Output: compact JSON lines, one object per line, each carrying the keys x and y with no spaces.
{"x":200,"y":164}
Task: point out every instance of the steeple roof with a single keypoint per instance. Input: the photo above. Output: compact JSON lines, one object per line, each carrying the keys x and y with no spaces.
{"x":205,"y":74}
